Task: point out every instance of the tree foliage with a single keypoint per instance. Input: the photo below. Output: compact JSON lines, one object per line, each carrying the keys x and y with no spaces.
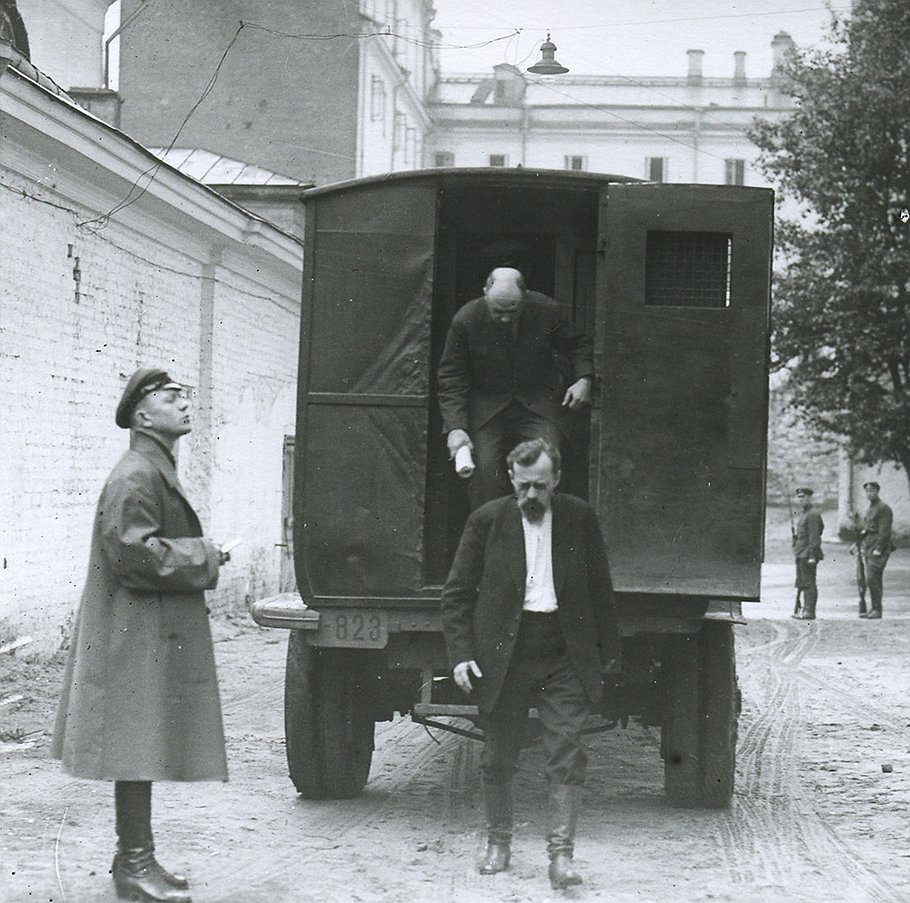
{"x":841,"y":315}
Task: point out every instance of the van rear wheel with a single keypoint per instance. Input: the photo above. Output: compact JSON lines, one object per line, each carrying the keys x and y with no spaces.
{"x":701,"y":709}
{"x":328,"y":726}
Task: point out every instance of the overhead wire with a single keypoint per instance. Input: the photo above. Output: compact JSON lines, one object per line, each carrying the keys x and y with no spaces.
{"x":38,"y":199}
{"x":135,"y":192}
{"x":667,"y":21}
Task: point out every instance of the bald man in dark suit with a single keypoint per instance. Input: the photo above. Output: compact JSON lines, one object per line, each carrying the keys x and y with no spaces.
{"x":500,"y":380}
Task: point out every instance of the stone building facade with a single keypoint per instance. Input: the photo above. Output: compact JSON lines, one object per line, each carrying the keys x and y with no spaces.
{"x":681,"y":129}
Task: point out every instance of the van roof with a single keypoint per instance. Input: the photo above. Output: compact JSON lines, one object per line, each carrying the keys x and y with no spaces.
{"x":492,"y":175}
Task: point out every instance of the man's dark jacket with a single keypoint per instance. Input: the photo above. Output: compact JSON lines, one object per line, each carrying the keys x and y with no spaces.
{"x":807,"y":543}
{"x":485,"y":365}
{"x":483,"y":596}
{"x":877,"y":526}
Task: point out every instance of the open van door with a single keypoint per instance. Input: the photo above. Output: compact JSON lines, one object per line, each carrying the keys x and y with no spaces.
{"x":679,"y":429}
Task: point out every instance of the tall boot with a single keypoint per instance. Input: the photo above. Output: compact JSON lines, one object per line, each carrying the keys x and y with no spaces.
{"x":562,"y":805}
{"x":810,"y":600}
{"x":498,"y":803}
{"x":137,"y":874}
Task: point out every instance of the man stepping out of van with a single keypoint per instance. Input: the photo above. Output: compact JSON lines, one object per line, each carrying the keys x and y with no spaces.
{"x":529,"y":618}
{"x":499,"y":380}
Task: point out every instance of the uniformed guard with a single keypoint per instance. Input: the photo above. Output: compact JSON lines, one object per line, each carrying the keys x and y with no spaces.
{"x":140,"y":698}
{"x":876,"y":547}
{"x":807,"y":549}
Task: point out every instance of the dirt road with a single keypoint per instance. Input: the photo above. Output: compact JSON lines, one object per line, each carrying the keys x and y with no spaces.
{"x":814,"y":818}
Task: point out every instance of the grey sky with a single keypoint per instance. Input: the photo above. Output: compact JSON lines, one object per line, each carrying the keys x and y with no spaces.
{"x":628,"y":37}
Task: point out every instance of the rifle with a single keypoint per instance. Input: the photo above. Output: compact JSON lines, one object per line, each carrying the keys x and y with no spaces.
{"x":857,"y":550}
{"x":798,"y":603}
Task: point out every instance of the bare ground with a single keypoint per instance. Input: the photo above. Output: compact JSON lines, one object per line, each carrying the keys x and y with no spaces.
{"x":814,"y":818}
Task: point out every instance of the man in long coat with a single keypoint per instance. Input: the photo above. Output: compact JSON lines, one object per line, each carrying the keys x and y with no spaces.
{"x":140,"y":698}
{"x":500,"y":381}
{"x":528,"y":614}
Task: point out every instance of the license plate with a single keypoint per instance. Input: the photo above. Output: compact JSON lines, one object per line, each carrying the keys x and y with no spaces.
{"x":353,"y":627}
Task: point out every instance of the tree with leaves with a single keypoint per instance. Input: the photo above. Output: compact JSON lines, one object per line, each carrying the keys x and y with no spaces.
{"x":841,"y":318}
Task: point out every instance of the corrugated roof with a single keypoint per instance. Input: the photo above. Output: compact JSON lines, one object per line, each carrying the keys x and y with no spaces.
{"x":214,"y":169}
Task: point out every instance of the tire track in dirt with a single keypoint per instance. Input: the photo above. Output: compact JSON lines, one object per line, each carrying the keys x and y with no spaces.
{"x":772,"y":835}
{"x":405,"y":757}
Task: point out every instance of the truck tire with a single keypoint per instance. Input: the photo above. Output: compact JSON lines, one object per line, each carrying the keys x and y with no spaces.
{"x":719,"y":714}
{"x":327,"y":724}
{"x":698,"y":738}
{"x":679,"y":731}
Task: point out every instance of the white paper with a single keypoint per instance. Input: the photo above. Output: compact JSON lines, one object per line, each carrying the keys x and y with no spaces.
{"x":464,"y":462}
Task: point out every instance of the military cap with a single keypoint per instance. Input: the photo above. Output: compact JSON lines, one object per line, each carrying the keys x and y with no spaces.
{"x":873,"y":484}
{"x":803,"y":490}
{"x":140,"y":384}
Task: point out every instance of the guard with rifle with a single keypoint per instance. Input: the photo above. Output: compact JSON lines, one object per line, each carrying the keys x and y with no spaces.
{"x":876,"y":546}
{"x":807,"y":549}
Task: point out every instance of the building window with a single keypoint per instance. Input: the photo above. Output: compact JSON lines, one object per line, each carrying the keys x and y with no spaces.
{"x":445,"y":158}
{"x":377,"y":99}
{"x":398,"y":133}
{"x":499,"y":160}
{"x":576,"y":164}
{"x":656,"y":169}
{"x":688,"y":269}
{"x":735,"y":172}
{"x":410,"y":145}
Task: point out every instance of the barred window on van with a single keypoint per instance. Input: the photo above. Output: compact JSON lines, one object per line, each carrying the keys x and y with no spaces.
{"x":688,"y":269}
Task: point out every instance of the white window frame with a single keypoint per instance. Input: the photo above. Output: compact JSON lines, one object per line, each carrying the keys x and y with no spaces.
{"x":734,"y":171}
{"x":377,"y":99}
{"x":664,"y":169}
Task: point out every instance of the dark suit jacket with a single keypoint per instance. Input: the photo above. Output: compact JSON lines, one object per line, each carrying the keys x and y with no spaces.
{"x":484,"y":365}
{"x":483,"y":596}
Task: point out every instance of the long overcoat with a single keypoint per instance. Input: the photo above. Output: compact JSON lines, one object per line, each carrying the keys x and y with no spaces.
{"x":483,"y":596}
{"x":140,"y":698}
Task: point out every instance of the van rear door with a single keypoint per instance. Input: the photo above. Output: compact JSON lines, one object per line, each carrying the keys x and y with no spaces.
{"x":679,"y":428}
{"x":363,"y":391}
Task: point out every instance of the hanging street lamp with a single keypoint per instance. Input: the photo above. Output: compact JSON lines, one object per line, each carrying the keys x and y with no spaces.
{"x":547,"y":64}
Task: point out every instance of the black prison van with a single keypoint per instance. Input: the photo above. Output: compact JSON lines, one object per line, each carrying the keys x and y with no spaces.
{"x":673,"y":284}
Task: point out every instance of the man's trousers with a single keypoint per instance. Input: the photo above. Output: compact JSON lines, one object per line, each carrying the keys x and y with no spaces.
{"x":875,"y":569}
{"x":494,"y":440}
{"x":540,"y":674}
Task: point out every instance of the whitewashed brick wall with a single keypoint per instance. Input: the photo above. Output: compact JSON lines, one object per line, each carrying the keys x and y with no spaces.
{"x":64,"y":358}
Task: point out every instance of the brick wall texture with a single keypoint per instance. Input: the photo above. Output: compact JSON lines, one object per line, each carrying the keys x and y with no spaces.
{"x":78,"y":313}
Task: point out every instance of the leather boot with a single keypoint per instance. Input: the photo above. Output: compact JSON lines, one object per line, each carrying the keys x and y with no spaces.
{"x":807,"y":612}
{"x":136,"y":872}
{"x":498,"y":802}
{"x":562,"y":805}
{"x":137,"y":878}
{"x":873,"y":614}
